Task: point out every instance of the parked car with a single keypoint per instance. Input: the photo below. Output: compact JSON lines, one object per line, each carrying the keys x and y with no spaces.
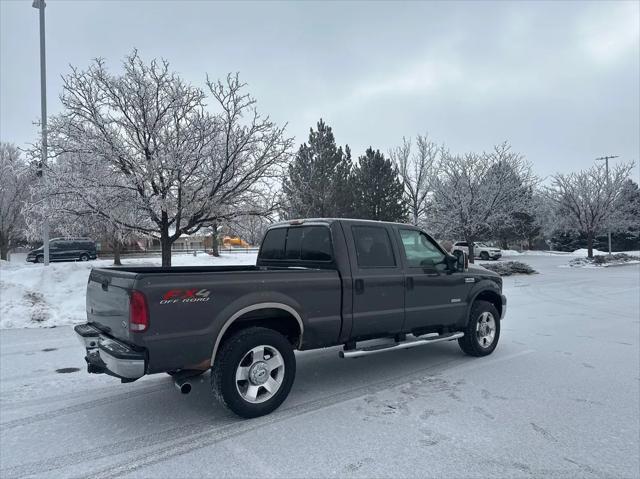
{"x":317,"y":283}
{"x":480,"y":250}
{"x":65,"y":249}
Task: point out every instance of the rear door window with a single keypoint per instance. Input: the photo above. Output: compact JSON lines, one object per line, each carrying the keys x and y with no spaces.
{"x":373,"y":247}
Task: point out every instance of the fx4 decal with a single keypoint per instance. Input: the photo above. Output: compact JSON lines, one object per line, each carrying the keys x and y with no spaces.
{"x":186,"y":296}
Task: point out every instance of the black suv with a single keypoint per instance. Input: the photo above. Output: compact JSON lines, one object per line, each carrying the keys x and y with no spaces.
{"x":65,"y":249}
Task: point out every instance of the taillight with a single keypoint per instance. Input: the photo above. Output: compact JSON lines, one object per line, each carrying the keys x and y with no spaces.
{"x":138,"y":312}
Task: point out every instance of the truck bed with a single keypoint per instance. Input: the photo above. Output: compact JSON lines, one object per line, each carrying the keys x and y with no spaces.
{"x":188,"y":305}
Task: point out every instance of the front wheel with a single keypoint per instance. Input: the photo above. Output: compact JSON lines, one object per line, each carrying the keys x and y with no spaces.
{"x":483,"y":330}
{"x":253,"y":372}
{"x":484,"y":255}
{"x":84,"y":257}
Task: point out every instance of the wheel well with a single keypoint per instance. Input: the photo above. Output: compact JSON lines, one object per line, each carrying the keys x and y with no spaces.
{"x":273,"y":318}
{"x":492,"y":297}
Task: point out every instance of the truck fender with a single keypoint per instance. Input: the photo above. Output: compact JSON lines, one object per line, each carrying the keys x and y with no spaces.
{"x":255,"y":307}
{"x":483,"y":286}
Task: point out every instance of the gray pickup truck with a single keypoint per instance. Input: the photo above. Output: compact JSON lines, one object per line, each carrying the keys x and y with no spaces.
{"x":317,"y":283}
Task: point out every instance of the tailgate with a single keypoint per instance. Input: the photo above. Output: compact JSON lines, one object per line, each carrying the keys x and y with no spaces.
{"x":108,"y":301}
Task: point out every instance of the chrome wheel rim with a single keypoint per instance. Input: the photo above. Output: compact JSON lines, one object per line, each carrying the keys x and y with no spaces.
{"x":486,"y":329}
{"x":259,"y":374}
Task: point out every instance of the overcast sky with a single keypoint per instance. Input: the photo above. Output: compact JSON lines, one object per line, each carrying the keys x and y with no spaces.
{"x":560,"y":81}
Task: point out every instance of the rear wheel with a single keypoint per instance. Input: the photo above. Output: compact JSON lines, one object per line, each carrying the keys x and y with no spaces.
{"x":39,"y":259}
{"x":483,"y":330}
{"x":253,"y":372}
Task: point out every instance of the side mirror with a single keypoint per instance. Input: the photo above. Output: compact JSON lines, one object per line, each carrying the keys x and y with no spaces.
{"x":461,"y":260}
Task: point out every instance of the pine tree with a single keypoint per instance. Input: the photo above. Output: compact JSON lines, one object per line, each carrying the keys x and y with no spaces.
{"x":378,"y":191}
{"x":318,"y":180}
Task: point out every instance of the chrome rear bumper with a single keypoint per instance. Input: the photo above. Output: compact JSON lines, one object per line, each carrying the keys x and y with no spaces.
{"x":109,"y":356}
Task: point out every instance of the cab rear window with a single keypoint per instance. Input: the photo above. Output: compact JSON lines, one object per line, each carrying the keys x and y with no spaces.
{"x":273,"y":244}
{"x":300,"y":243}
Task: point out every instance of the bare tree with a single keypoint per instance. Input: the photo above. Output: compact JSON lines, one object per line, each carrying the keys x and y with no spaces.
{"x":585,"y":200}
{"x":418,"y":172}
{"x":252,"y":227}
{"x":474,"y":189}
{"x":15,"y":178}
{"x":185,"y":167}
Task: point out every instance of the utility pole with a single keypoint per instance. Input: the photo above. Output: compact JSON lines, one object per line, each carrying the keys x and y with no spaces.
{"x":606,"y":166}
{"x":40,"y":4}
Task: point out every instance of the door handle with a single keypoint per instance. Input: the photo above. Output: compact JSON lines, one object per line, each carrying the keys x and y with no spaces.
{"x":359,"y":286}
{"x":409,"y":282}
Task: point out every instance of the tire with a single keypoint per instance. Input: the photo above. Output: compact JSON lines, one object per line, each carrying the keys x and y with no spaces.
{"x":243,"y":356}
{"x":484,"y":255}
{"x":84,"y":257}
{"x":474,"y":343}
{"x":39,"y":259}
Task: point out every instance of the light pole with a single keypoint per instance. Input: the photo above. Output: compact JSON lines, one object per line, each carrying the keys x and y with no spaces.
{"x":606,"y":166}
{"x":39,"y":4}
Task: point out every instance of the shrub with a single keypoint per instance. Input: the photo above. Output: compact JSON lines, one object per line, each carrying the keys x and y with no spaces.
{"x":507,"y":268}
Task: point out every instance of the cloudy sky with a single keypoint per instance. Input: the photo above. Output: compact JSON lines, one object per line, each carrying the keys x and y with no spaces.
{"x":560,"y":81}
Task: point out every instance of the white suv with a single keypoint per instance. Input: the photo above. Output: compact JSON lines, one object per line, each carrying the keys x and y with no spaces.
{"x":480,"y":250}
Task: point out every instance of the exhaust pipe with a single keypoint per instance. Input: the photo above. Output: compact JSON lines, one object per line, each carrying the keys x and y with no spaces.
{"x":183,"y":385}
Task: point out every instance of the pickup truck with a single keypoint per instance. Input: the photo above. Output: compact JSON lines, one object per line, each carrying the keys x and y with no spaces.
{"x":316,"y":283}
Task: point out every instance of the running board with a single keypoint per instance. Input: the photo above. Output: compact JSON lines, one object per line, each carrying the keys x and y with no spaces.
{"x":356,"y":353}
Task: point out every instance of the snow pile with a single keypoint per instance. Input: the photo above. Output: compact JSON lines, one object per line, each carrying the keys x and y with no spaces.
{"x":585,"y":252}
{"x":507,"y":268}
{"x":604,"y":260}
{"x":33,"y":296}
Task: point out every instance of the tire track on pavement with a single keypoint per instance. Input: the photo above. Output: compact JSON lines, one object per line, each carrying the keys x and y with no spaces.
{"x":182,"y":439}
{"x":74,"y":408}
{"x":207,"y":439}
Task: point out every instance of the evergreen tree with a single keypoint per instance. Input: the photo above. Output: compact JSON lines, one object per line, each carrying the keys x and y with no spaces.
{"x":318,"y":180}
{"x":377,"y":189}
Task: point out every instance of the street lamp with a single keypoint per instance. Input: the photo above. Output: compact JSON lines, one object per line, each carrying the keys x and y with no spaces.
{"x":40,"y":4}
{"x":606,"y":163}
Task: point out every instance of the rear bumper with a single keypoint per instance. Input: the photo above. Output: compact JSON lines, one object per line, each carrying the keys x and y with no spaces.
{"x":504,"y":306}
{"x":105,"y":355}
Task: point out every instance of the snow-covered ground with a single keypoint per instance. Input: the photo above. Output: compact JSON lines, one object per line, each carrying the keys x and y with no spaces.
{"x":33,"y":296}
{"x":558,"y":398}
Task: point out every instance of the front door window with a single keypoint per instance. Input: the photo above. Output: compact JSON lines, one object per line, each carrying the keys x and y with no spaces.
{"x":420,"y":251}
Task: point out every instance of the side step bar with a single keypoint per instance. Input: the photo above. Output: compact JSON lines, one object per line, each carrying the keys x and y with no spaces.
{"x":356,"y":353}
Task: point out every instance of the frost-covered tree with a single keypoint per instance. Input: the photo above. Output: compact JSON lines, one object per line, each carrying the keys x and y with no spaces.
{"x":317,"y":183}
{"x":626,"y":221}
{"x":252,"y":227}
{"x":418,"y":171}
{"x":78,"y":203}
{"x":586,"y":200}
{"x":15,"y":179}
{"x":186,"y":166}
{"x":476,"y":190}
{"x":377,"y":190}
